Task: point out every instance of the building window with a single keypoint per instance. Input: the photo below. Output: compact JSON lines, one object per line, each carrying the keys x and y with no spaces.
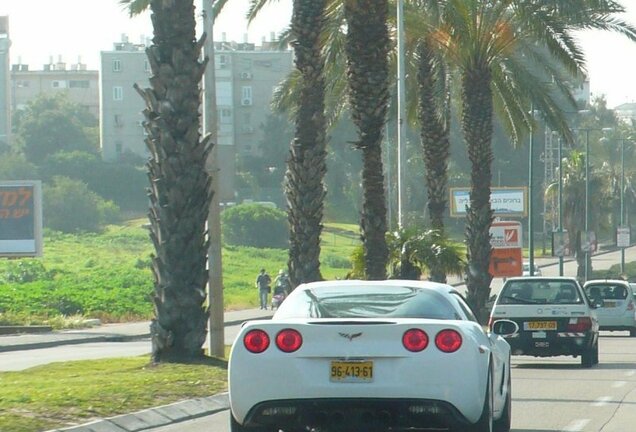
{"x":226,"y":116}
{"x":119,"y":121}
{"x":78,"y":84}
{"x":146,"y":66}
{"x":22,"y":83}
{"x":118,"y":93}
{"x":116,"y":66}
{"x":58,"y":84}
{"x":246,"y":95}
{"x":118,"y":147}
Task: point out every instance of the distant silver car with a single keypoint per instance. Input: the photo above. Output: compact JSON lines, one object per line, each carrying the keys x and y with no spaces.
{"x":615,"y":304}
{"x":526,"y":270}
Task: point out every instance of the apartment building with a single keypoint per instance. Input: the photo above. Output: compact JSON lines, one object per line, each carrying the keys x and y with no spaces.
{"x":75,"y":80}
{"x":246,"y":76}
{"x":5,"y":95}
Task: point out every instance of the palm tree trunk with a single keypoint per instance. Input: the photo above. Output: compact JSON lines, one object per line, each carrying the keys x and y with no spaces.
{"x":367,"y":49}
{"x":306,"y":167}
{"x":180,"y":191}
{"x":434,"y":136}
{"x":477,"y":128}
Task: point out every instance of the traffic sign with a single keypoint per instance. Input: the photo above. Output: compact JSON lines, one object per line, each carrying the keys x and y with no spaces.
{"x":623,"y":235}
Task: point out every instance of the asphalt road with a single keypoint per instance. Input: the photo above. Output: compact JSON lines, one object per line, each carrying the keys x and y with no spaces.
{"x":549,"y":394}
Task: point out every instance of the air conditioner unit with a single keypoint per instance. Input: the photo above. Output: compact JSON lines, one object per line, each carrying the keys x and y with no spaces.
{"x":245,"y":75}
{"x":246,"y":102}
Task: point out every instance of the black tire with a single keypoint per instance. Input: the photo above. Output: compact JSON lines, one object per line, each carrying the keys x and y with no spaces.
{"x":632,"y":332}
{"x":595,"y":357}
{"x":236,"y":427}
{"x":504,"y":423}
{"x":485,"y":423}
{"x":587,"y":358}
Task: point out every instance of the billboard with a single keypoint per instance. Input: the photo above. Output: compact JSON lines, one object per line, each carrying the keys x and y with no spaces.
{"x":504,"y":201}
{"x":21,"y":218}
{"x":506,"y":240}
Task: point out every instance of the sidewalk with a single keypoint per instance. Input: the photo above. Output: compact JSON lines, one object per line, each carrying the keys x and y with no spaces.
{"x":145,"y":419}
{"x":105,"y":333}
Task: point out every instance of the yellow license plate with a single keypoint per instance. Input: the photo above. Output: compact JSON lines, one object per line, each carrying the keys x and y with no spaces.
{"x":351,"y":371}
{"x":540,"y":325}
{"x":609,"y":304}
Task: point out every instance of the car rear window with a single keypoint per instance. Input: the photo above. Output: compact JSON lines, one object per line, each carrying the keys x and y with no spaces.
{"x":368,"y":302}
{"x":540,"y":292}
{"x":606,"y":291}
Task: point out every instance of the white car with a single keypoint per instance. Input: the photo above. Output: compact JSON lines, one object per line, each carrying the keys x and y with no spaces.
{"x":553,"y":315}
{"x":353,"y":355}
{"x":615,"y":304}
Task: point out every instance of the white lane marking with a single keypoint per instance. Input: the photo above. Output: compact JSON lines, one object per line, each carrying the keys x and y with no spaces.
{"x":630,"y":373}
{"x":576,"y":425}
{"x":603,"y":400}
{"x":618,"y":384}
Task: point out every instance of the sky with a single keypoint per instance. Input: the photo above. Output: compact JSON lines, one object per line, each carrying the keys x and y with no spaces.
{"x":77,"y":30}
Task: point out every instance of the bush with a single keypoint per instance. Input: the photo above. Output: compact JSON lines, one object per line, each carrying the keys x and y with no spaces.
{"x":255,"y":225}
{"x":69,"y":206}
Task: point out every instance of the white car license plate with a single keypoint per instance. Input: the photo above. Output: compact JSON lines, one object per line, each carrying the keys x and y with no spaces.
{"x":540,"y":325}
{"x":351,"y":371}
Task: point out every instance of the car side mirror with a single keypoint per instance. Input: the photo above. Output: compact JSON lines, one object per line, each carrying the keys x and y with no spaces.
{"x":505,"y":327}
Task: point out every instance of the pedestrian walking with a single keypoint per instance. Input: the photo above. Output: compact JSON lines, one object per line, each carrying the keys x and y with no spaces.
{"x":263,"y":282}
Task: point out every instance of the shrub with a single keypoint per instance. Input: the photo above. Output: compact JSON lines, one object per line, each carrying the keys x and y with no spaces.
{"x":69,"y":206}
{"x":255,"y":225}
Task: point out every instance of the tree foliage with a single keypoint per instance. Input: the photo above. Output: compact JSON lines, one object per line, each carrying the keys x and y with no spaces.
{"x":53,"y":123}
{"x":70,"y":206}
{"x":255,"y":225}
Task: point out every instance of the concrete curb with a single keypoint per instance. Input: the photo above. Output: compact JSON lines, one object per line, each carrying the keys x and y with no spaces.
{"x":90,"y":339}
{"x":155,"y":417}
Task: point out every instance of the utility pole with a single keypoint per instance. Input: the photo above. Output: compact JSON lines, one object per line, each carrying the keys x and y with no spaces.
{"x":530,"y":191}
{"x":216,"y":331}
{"x":401,"y":102}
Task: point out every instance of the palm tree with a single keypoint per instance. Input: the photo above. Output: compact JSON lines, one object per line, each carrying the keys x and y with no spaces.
{"x":413,"y":252}
{"x":180,"y":191}
{"x":367,"y":49}
{"x":491,"y":42}
{"x":306,"y":166}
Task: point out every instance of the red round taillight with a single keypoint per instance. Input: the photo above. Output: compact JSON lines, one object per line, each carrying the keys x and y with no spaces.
{"x":288,"y":340}
{"x":256,"y":341}
{"x":415,"y":340}
{"x":448,"y":341}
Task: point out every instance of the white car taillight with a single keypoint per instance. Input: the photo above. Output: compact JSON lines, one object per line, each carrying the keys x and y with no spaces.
{"x":448,"y":341}
{"x":289,"y":340}
{"x":256,"y":341}
{"x":415,"y":340}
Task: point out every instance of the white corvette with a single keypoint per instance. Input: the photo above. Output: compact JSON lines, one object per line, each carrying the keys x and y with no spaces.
{"x":370,"y":355}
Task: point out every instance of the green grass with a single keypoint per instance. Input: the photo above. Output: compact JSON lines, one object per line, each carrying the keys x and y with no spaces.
{"x":62,"y":394}
{"x":108,"y":275}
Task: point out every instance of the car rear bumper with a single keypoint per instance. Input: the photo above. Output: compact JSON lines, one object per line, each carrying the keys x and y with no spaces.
{"x":354,"y":413}
{"x":553,"y":344}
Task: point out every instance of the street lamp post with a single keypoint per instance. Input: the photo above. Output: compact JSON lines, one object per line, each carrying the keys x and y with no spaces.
{"x":587,"y":195}
{"x":622,"y":200}
{"x":530,"y":207}
{"x":561,"y":205}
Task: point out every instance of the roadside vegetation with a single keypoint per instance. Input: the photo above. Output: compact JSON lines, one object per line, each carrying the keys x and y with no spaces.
{"x":59,"y":395}
{"x":107,"y":275}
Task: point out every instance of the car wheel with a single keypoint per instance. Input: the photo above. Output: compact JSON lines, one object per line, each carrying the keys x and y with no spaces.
{"x":236,"y":427}
{"x":484,"y":424}
{"x":632,"y":332}
{"x":595,"y":359}
{"x":587,"y":358}
{"x":503,"y":423}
